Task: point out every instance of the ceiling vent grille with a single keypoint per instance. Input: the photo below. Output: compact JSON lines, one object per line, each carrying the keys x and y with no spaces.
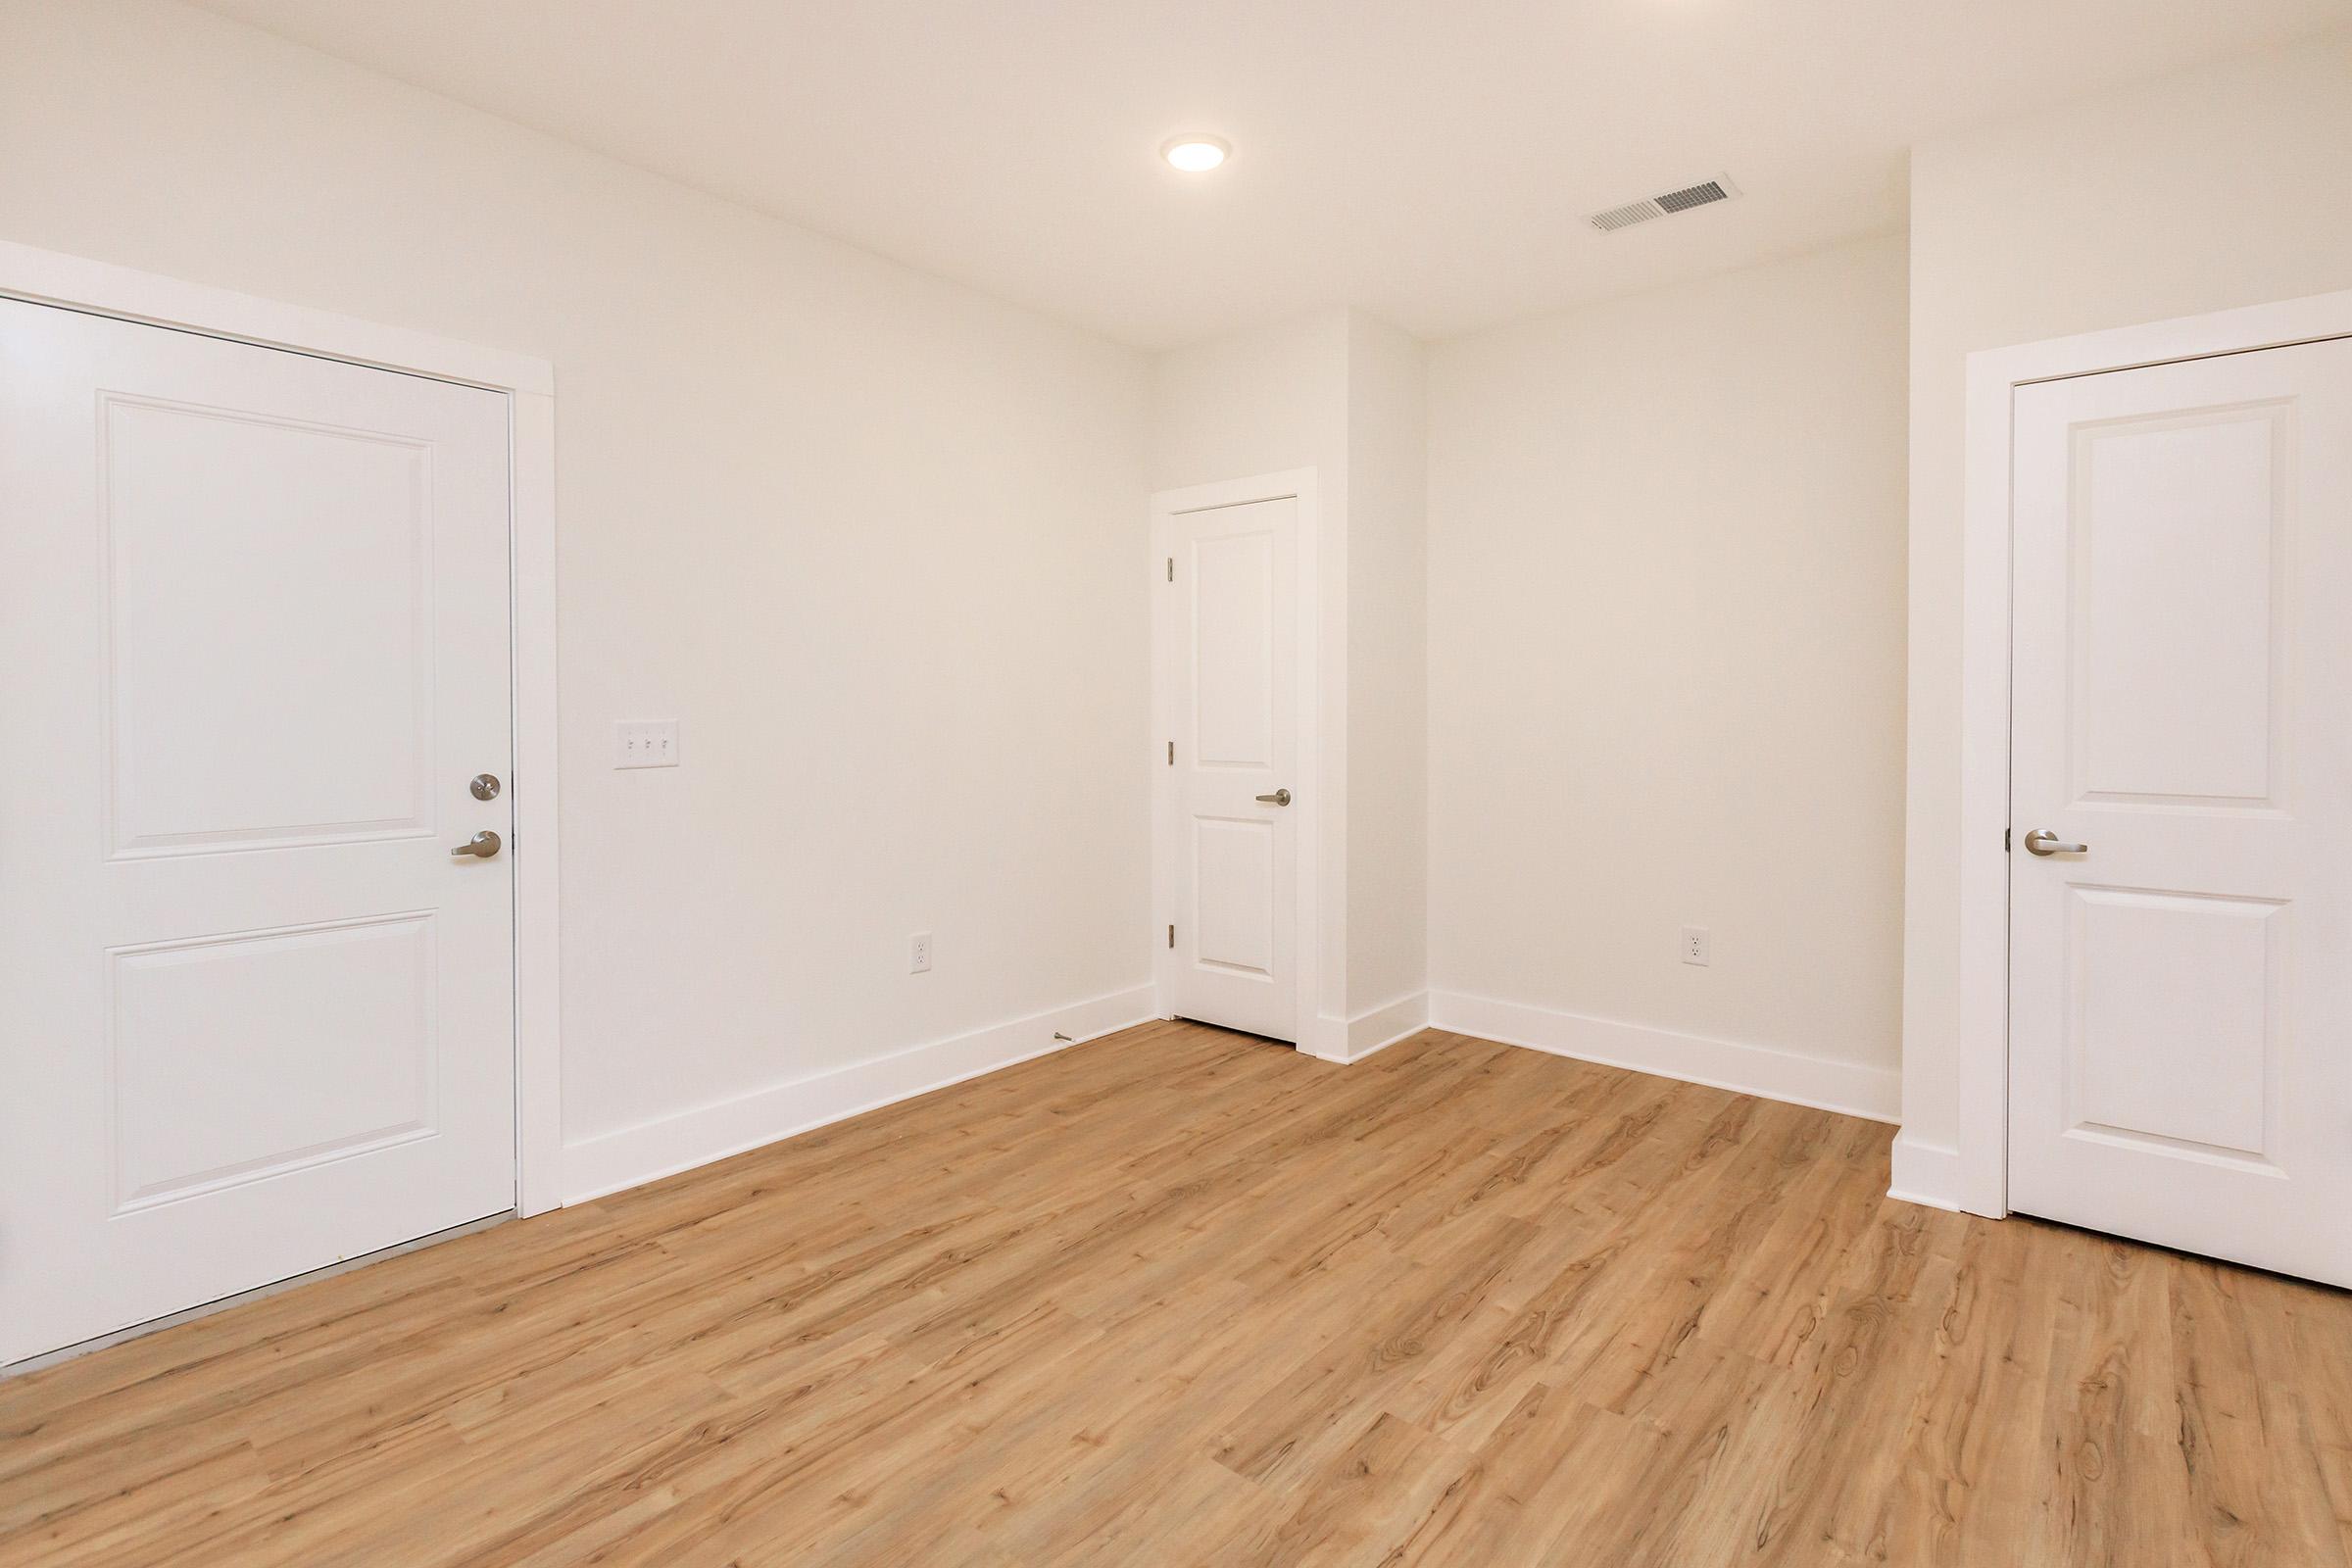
{"x":1704,"y":194}
{"x":1626,"y":216}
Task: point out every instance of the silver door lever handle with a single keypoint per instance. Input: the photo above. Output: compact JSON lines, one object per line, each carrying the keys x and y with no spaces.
{"x":2042,"y":841}
{"x":1278,"y":798}
{"x":484,"y":845}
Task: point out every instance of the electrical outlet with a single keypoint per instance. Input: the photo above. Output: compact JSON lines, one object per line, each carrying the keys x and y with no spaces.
{"x":919,"y":952}
{"x":1694,"y":944}
{"x":654,"y":745}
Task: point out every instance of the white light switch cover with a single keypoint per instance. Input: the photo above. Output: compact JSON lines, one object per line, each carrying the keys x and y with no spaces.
{"x":646,"y":745}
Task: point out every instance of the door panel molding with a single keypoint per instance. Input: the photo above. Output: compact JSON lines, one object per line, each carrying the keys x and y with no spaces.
{"x":1973,"y":1176}
{"x":528,"y":385}
{"x":171,"y":1090}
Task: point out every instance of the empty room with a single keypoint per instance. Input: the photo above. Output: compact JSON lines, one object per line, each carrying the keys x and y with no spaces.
{"x":1055,"y":783}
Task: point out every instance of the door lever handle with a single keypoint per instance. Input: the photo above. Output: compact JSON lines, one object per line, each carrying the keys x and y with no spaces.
{"x":482,"y":845}
{"x":2042,"y":841}
{"x":1278,"y":798}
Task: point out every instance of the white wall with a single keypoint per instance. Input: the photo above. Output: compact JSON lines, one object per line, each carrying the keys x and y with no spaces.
{"x":2223,"y":186}
{"x":872,"y":537}
{"x":1387,"y":672}
{"x":1255,"y":403}
{"x":1665,"y":688}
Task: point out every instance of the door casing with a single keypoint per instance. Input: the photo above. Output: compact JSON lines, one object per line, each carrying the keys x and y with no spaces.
{"x":1982,"y":1159}
{"x":50,"y":277}
{"x":1316,"y":808}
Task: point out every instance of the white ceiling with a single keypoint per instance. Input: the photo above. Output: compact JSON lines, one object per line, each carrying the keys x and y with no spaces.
{"x":1428,"y":159}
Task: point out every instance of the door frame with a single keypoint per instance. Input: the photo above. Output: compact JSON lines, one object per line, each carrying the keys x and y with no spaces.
{"x":1315,"y":810}
{"x":1987,"y":545}
{"x":101,"y":288}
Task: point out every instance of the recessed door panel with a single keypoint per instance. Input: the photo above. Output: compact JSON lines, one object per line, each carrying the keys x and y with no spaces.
{"x":1233,"y":637}
{"x":254,"y":628}
{"x":1235,"y":860}
{"x":2178,"y":543}
{"x":248,"y":706}
{"x":240,"y":1057}
{"x":2181,"y":957}
{"x":2177,"y":1015}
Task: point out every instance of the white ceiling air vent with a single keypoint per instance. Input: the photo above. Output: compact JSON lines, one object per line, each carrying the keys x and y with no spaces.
{"x":1703,"y":194}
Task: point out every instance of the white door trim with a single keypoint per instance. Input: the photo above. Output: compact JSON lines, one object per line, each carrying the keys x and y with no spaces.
{"x":49,"y":277}
{"x":1314,"y":802}
{"x":1986,"y":545}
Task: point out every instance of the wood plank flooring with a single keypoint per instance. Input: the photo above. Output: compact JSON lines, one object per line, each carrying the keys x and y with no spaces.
{"x":1182,"y":1298}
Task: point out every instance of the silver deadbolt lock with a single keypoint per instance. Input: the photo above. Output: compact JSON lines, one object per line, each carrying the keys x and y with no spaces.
{"x":484,"y":786}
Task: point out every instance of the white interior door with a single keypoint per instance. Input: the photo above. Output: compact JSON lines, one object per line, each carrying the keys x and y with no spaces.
{"x":1229,"y":834}
{"x":253,"y":650}
{"x":2181,"y":988}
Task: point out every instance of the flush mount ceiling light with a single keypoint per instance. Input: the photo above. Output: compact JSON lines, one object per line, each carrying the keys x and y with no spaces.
{"x":1195,"y":155}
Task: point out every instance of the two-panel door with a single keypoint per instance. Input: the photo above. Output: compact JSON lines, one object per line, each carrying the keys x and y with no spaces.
{"x":1229,"y":646}
{"x":2181,"y":939}
{"x":254,"y":629}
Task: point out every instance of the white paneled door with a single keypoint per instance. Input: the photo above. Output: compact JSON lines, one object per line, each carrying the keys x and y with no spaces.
{"x":2180,"y":893}
{"x":1231,"y":839}
{"x":253,"y":656}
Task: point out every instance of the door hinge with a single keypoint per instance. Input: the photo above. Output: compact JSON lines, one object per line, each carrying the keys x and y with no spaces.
{"x":2005,"y":832}
{"x":1171,"y":569}
{"x":1171,"y":936}
{"x":1171,"y":753}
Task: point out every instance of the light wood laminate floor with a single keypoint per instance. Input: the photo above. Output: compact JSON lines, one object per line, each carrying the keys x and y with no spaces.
{"x":1182,"y":1298}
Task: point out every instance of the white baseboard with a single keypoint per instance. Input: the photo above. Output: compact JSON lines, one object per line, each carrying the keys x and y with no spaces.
{"x":1850,"y":1087}
{"x":1327,"y":1037}
{"x":628,"y":1156}
{"x":1926,"y":1173}
{"x":1349,"y":1040}
{"x":1383,"y":1026}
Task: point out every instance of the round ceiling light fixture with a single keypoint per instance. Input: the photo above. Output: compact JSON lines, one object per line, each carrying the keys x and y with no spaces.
{"x":1195,"y":155}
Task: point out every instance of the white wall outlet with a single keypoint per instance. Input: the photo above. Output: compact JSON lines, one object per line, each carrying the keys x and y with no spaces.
{"x":1694,"y":944}
{"x":654,"y":745}
{"x":919,"y":952}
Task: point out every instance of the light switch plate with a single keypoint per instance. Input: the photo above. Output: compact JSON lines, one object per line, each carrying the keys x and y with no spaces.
{"x":646,"y":745}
